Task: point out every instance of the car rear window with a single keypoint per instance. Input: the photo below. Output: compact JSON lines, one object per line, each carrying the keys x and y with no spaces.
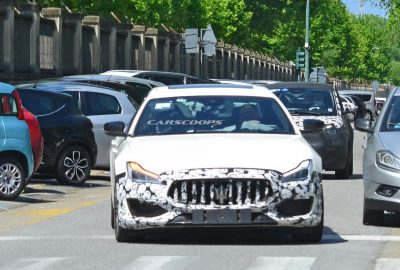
{"x":212,"y":114}
{"x":38,"y":103}
{"x":8,"y":105}
{"x":363,"y":97}
{"x":100,"y":104}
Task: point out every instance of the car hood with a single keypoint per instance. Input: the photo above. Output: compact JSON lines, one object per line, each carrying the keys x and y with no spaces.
{"x":390,"y":141}
{"x":174,"y":152}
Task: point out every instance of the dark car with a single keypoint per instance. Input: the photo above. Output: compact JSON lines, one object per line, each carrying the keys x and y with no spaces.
{"x":69,"y":145}
{"x":167,"y":78}
{"x":334,"y":142}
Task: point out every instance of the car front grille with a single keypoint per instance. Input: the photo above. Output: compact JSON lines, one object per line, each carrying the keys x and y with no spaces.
{"x":219,"y":192}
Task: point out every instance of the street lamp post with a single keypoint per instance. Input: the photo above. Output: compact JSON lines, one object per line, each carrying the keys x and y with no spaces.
{"x":307,"y":44}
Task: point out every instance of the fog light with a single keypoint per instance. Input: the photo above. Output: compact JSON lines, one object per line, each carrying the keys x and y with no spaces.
{"x":386,"y":191}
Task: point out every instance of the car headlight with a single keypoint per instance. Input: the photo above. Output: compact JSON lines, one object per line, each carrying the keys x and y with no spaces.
{"x":386,"y":160}
{"x":138,"y":174}
{"x":300,"y":173}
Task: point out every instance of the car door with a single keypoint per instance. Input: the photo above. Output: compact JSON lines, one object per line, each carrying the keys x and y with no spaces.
{"x":101,"y":108}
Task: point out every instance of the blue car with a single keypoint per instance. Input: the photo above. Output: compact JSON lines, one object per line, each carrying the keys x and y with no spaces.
{"x":16,"y":157}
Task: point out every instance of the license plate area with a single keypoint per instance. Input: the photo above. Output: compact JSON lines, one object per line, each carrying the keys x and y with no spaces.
{"x":221,"y":216}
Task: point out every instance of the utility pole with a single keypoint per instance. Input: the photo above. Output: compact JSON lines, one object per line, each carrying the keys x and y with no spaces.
{"x":307,"y":44}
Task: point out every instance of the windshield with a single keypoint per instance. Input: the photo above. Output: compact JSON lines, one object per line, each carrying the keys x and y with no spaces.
{"x":300,"y":101}
{"x":212,"y":114}
{"x":391,"y":120}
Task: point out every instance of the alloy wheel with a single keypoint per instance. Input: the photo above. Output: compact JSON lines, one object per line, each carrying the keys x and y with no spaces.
{"x":10,"y":179}
{"x":75,"y":165}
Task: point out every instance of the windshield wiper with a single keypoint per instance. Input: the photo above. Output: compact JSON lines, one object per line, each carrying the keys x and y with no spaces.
{"x":294,"y":112}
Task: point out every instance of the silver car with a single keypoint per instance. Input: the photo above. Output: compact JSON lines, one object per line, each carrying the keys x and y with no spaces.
{"x":100,"y":105}
{"x":381,"y":166}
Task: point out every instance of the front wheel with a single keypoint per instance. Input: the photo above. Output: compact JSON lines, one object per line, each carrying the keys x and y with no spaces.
{"x":12,"y":178}
{"x":312,"y":236}
{"x":372,"y":217}
{"x":73,"y":166}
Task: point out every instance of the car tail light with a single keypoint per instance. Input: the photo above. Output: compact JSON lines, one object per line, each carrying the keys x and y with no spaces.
{"x":20,"y":114}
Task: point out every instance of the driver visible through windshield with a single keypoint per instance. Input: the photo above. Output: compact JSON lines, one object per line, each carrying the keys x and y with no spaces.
{"x":212,"y":114}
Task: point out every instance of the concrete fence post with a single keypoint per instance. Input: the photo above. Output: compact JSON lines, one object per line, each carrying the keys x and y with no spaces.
{"x":241,"y":73}
{"x":152,"y":33}
{"x":94,"y":21}
{"x":234,"y":56}
{"x":55,"y":14}
{"x":7,"y":38}
{"x":228,"y":61}
{"x":139,"y":31}
{"x":75,"y":20}
{"x":33,"y":11}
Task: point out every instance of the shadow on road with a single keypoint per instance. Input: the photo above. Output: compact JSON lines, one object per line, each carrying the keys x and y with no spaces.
{"x":230,"y":236}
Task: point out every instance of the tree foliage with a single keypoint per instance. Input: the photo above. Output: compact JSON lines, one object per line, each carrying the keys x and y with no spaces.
{"x":349,"y":46}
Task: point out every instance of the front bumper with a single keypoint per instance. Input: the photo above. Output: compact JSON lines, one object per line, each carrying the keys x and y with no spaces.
{"x":376,"y":178}
{"x":145,"y":205}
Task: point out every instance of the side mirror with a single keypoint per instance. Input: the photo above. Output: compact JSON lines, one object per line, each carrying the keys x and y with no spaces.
{"x":363,"y":125}
{"x":115,"y":129}
{"x":313,"y":125}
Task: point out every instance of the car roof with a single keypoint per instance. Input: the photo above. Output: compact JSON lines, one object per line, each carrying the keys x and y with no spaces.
{"x":48,"y":91}
{"x":73,"y":86}
{"x":281,"y":85}
{"x":6,"y":88}
{"x":111,"y":77}
{"x":209,"y":89}
{"x":136,"y":72}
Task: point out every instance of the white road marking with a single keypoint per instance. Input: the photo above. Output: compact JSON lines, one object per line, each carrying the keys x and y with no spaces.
{"x":347,"y":237}
{"x":161,"y":262}
{"x":33,"y":263}
{"x":282,"y":263}
{"x":387,"y":264}
{"x":358,"y":237}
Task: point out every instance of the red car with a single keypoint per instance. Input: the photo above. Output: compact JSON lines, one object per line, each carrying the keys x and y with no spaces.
{"x":34,"y":130}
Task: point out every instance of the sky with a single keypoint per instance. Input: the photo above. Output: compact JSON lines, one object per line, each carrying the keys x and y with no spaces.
{"x":369,"y":8}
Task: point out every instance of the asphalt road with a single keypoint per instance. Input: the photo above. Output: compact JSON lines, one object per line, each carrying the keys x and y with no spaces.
{"x":56,"y":227}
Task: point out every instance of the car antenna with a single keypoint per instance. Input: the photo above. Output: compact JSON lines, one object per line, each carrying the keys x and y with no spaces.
{"x":109,"y":77}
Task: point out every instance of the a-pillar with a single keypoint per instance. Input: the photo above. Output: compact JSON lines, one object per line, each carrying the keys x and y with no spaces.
{"x":56,"y":15}
{"x":75,"y":20}
{"x":228,"y":61}
{"x":234,"y":56}
{"x":32,"y":10}
{"x":7,"y":59}
{"x":139,"y":31}
{"x":94,"y":22}
{"x":152,"y":34}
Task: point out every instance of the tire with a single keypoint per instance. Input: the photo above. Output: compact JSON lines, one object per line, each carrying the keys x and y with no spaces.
{"x":73,"y":166}
{"x":12,"y":178}
{"x":347,"y":171}
{"x":121,"y":235}
{"x":313,"y":235}
{"x":112,"y":217}
{"x":373,"y":217}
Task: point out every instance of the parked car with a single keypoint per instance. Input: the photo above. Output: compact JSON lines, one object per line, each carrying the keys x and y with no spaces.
{"x":16,"y":157}
{"x":100,"y":105}
{"x":167,"y":78}
{"x":69,"y":145}
{"x":361,"y":108}
{"x":381,"y":162}
{"x":136,"y":88}
{"x":350,"y":108}
{"x":368,"y":97}
{"x":37,"y":141}
{"x":214,"y":155}
{"x":334,"y":142}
